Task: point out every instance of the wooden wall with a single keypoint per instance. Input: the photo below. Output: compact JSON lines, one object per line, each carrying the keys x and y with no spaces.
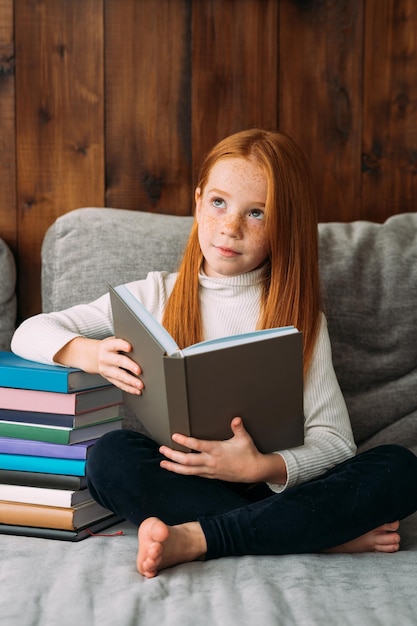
{"x":114,"y":102}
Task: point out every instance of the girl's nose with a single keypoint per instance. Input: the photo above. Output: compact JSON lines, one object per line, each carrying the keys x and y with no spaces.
{"x":231,"y":224}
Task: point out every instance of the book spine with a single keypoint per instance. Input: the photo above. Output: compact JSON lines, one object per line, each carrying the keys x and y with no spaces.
{"x":60,"y":419}
{"x":42,"y":464}
{"x":46,"y":419}
{"x":26,"y":378}
{"x":176,"y":393}
{"x":29,"y":447}
{"x":37,"y":433}
{"x":34,"y":400}
{"x":23,"y":514}
{"x":42,"y":496}
{"x":61,"y":403}
{"x":56,"y":434}
{"x":58,"y":533}
{"x":21,"y":373}
{"x":66,"y":518}
{"x":38,"y":479}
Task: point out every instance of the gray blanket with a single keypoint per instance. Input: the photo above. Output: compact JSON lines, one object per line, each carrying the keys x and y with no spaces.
{"x":52,"y":583}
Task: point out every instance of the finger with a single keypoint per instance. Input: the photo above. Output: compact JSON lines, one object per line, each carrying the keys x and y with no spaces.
{"x":125,"y":363}
{"x":237,"y":425}
{"x":125,"y":386}
{"x":122,"y":378}
{"x":200,"y":445}
{"x":185,"y":470}
{"x":116,"y":344}
{"x":183,"y":458}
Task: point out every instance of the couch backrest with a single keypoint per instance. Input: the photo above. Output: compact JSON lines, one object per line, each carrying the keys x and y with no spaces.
{"x":87,"y":249}
{"x":369,"y":276}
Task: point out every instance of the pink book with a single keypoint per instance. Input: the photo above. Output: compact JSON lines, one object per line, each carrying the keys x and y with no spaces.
{"x":54,"y":402}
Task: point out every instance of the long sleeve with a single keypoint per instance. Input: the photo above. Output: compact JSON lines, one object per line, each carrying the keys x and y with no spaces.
{"x":40,"y":337}
{"x":328,"y":437}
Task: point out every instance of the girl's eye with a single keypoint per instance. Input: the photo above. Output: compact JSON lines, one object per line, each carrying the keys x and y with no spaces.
{"x":219,"y":203}
{"x":257,"y":214}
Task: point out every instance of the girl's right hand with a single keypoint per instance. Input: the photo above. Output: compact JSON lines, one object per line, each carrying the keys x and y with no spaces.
{"x":103,"y":357}
{"x":117,"y":367}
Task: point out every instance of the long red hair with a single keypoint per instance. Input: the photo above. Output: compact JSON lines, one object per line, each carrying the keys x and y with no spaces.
{"x":291,"y":291}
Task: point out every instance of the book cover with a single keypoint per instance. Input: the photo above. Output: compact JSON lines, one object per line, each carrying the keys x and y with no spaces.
{"x":55,"y":402}
{"x":61,"y":419}
{"x":197,"y":391}
{"x":29,"y":447}
{"x":37,"y":479}
{"x":44,"y":464}
{"x":46,"y":497}
{"x":65,"y":518}
{"x":23,"y":374}
{"x":56,"y":434}
{"x":62,"y":535}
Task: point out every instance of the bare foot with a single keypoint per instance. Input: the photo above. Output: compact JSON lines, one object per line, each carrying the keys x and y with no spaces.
{"x":381,"y":539}
{"x":162,"y":546}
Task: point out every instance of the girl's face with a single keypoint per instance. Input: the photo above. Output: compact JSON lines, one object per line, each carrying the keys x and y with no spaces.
{"x":230,"y":212}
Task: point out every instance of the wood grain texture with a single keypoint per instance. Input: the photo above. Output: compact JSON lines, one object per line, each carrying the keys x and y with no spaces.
{"x":235,"y":69}
{"x":389,"y":161}
{"x":115,"y":102}
{"x":148,"y":82}
{"x":8,"y":221}
{"x":59,"y":123}
{"x":320,"y":96}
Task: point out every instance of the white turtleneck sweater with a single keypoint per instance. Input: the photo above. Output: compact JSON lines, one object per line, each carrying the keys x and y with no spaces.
{"x":229,"y":306}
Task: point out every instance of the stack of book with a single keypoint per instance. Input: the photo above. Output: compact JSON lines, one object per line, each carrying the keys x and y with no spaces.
{"x":50,"y":418}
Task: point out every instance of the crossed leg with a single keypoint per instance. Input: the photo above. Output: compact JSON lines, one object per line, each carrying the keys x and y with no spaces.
{"x":162,"y":546}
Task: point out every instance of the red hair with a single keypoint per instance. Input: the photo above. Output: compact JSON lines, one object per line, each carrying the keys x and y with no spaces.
{"x":291,"y":291}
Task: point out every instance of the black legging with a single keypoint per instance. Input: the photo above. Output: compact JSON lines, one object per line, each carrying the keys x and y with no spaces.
{"x":358,"y":495}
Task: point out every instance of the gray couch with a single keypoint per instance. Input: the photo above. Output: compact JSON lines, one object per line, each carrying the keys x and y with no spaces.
{"x":369,"y":274}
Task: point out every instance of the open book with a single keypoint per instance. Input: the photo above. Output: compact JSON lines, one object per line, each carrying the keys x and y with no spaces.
{"x":198,"y":390}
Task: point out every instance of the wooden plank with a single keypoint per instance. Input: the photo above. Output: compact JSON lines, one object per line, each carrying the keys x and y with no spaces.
{"x":390,"y":108}
{"x":235,"y":69}
{"x":8,"y":229}
{"x":148,"y":76}
{"x":60,"y":155}
{"x":321,"y":96}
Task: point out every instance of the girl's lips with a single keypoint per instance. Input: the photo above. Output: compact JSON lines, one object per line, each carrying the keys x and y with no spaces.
{"x":226,"y":251}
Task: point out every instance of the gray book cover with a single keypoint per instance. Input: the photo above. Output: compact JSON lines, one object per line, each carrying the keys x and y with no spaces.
{"x":200,"y":393}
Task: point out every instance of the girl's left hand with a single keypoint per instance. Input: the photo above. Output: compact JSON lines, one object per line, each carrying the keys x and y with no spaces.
{"x":235,"y":460}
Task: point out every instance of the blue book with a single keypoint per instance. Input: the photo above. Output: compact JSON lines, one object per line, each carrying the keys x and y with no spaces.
{"x":46,"y":465}
{"x":20,"y":373}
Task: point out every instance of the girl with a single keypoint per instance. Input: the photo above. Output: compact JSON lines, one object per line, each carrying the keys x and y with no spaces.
{"x":251,"y":262}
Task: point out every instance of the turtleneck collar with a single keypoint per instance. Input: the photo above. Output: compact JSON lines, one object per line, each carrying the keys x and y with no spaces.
{"x":247,"y":279}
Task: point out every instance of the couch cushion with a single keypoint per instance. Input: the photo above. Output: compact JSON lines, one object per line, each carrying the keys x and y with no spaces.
{"x":7,"y":296}
{"x":369,"y":273}
{"x":87,"y":249}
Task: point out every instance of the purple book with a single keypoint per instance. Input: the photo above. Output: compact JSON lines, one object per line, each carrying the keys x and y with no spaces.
{"x":28,"y":447}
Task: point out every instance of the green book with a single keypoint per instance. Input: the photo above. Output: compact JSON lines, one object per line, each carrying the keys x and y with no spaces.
{"x":57,"y":434}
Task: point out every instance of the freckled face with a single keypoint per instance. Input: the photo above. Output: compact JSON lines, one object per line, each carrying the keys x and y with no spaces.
{"x":230,"y":211}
